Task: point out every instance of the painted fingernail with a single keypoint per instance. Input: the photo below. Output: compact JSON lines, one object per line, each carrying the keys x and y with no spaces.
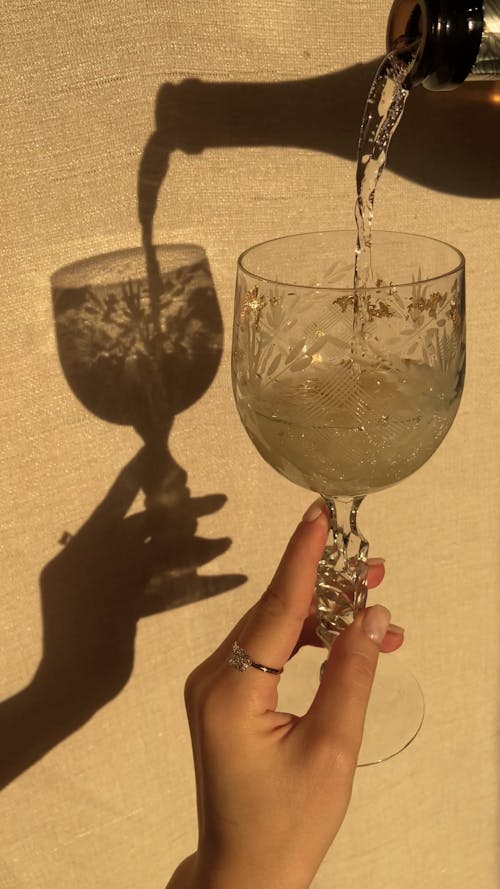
{"x":314,"y":510}
{"x":376,"y":620}
{"x":376,"y":561}
{"x":394,"y":628}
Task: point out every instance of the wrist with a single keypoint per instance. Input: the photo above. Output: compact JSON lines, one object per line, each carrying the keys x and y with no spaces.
{"x":208,"y":872}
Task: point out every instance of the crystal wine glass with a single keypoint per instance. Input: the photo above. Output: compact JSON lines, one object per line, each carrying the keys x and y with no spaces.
{"x":347,"y":393}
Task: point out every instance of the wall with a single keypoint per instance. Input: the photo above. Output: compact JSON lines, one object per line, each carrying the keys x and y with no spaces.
{"x":95,"y":751}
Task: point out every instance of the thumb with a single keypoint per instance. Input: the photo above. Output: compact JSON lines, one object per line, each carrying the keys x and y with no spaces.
{"x":339,"y":707}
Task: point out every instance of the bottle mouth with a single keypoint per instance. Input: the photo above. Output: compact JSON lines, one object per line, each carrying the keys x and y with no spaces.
{"x":405,"y":27}
{"x":406,"y":32}
{"x":441,"y":38}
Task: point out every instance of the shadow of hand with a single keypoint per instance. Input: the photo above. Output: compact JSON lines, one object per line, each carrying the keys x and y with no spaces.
{"x":115,"y":570}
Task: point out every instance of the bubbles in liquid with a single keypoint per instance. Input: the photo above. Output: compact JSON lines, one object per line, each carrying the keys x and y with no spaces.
{"x":342,"y":432}
{"x":383,"y":110}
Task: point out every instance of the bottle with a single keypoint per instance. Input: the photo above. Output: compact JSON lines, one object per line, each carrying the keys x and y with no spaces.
{"x":451,"y":40}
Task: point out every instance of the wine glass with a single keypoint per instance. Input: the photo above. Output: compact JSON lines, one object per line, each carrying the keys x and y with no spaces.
{"x":347,"y":392}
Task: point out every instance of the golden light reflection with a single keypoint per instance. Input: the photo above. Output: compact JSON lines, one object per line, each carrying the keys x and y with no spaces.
{"x":494,"y":95}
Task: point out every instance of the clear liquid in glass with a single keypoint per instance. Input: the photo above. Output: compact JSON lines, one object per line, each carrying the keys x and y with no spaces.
{"x":349,"y":431}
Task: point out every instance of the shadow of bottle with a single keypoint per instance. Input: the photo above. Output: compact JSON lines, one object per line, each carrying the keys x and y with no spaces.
{"x":444,"y":140}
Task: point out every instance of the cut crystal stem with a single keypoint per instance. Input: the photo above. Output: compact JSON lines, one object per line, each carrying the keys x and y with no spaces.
{"x":341,"y":585}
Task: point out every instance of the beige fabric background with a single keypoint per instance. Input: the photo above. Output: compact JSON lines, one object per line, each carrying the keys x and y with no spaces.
{"x":113,"y":805}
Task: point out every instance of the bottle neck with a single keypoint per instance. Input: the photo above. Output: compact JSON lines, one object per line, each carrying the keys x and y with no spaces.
{"x":450,"y":41}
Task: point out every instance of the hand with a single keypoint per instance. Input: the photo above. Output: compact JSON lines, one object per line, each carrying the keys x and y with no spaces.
{"x":273,"y":788}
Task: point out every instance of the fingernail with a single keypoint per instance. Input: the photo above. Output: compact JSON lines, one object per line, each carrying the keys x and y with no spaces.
{"x":376,"y":561}
{"x":314,"y":510}
{"x":394,"y":628}
{"x":376,"y":620}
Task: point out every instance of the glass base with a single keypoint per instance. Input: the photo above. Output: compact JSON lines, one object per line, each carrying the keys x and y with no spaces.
{"x":395,"y":712}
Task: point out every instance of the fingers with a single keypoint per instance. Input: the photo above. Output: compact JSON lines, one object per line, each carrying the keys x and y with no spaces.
{"x":339,"y":708}
{"x":308,"y":635}
{"x":376,"y":572}
{"x":118,"y":499}
{"x":275,"y":623}
{"x":283,"y":619}
{"x":393,"y":639}
{"x":185,"y":589}
{"x":185,"y":553}
{"x":201,"y":506}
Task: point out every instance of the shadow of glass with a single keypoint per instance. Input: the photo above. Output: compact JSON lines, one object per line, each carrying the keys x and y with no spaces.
{"x":139,"y":334}
{"x":133,"y":353}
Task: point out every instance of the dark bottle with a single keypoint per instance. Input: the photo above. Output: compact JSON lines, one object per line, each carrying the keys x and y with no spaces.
{"x":454,"y":40}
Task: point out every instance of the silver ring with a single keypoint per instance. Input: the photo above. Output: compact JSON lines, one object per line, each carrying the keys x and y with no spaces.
{"x":241,"y":661}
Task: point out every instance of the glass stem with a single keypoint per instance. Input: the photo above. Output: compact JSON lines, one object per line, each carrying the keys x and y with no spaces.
{"x":341,"y":584}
